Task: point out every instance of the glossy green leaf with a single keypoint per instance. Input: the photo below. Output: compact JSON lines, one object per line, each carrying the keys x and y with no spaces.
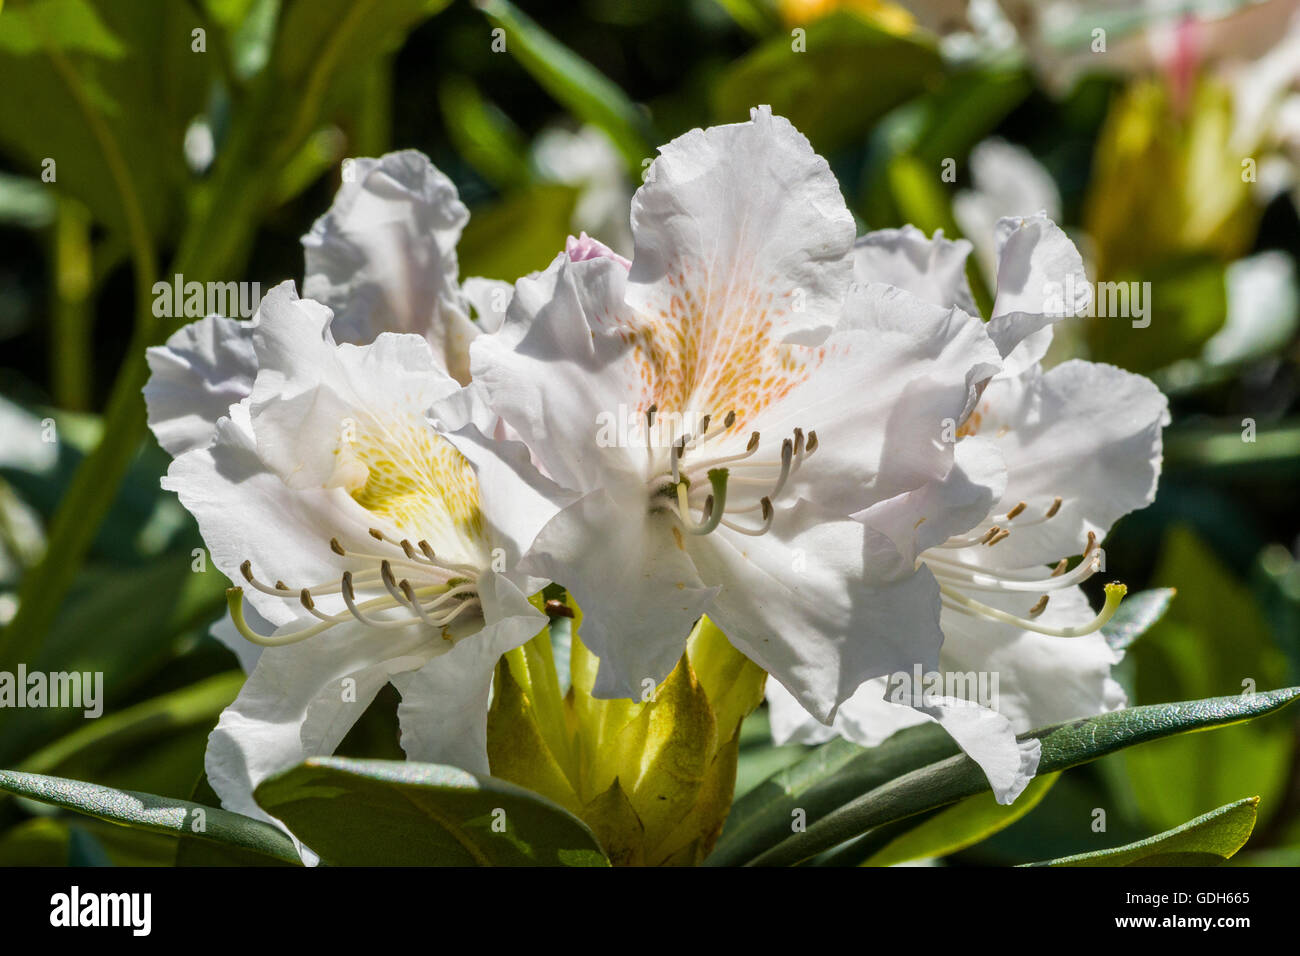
{"x":940,"y":832}
{"x":828,"y":777}
{"x":393,"y":813}
{"x":1206,"y":841}
{"x":1063,"y":746}
{"x":149,"y":812}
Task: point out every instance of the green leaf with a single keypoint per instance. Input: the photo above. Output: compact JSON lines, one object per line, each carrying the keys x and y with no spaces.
{"x":1206,"y":841}
{"x":759,"y":758}
{"x":575,"y":83}
{"x":939,"y":832}
{"x":1213,"y":640}
{"x":393,"y":813}
{"x":484,"y":135}
{"x":1063,"y":746}
{"x":147,"y":811}
{"x":1136,"y":615}
{"x":759,"y":17}
{"x":157,"y":719}
{"x":100,"y":630}
{"x":64,"y":24}
{"x":519,"y":234}
{"x":129,"y":62}
{"x":813,"y":88}
{"x":828,"y":777}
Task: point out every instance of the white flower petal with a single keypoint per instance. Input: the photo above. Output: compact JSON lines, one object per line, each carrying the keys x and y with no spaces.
{"x":245,"y":512}
{"x":490,"y":299}
{"x":1008,"y":181}
{"x":640,"y":595}
{"x":298,"y":703}
{"x":933,"y":270}
{"x":797,"y":602}
{"x":558,"y":363}
{"x":938,"y":509}
{"x":245,"y":651}
{"x":384,"y":256}
{"x":1040,"y":280}
{"x":204,"y":368}
{"x":443,"y":713}
{"x":516,"y":499}
{"x":741,"y":230}
{"x":1040,"y":680}
{"x":885,"y":395}
{"x":988,"y":738}
{"x":1086,"y":432}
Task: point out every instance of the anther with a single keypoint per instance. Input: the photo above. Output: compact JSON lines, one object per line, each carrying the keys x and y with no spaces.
{"x":989,"y":535}
{"x":729,"y":420}
{"x":1060,"y":567}
{"x":768,"y":513}
{"x":556,"y":608}
{"x":376,"y":534}
{"x":798,"y":442}
{"x":1056,"y":506}
{"x":1039,"y":607}
{"x":753,"y":442}
{"x":336,"y":547}
{"x":811,"y":446}
{"x":1002,"y":534}
{"x":1014,"y":512}
{"x":1092,"y":543}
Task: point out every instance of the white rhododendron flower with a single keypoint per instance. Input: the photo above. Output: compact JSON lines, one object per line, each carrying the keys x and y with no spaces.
{"x":1006,"y":180}
{"x":1077,"y":447}
{"x":383,"y":259}
{"x":368,"y":548}
{"x":722,"y":405}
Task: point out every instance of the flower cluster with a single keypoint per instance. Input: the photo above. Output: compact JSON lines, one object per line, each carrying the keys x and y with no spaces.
{"x":833,"y":457}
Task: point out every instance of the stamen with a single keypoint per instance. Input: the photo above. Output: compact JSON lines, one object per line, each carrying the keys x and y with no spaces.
{"x":1039,"y":607}
{"x":1014,"y":512}
{"x":235,"y":601}
{"x":1056,"y":506}
{"x":337,"y":548}
{"x":973,"y":579}
{"x":957,"y":601}
{"x":768,"y":513}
